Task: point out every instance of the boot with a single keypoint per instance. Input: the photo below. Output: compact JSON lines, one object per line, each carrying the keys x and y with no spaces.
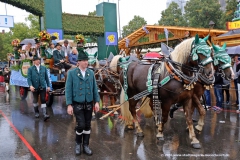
{"x":86,"y":148}
{"x":78,"y":144}
{"x":173,"y":109}
{"x":36,"y":112}
{"x":45,"y":115}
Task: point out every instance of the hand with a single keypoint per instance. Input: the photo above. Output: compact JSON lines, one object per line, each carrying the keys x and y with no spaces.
{"x":48,"y":89}
{"x":97,"y":107}
{"x":32,"y":88}
{"x":70,"y":110}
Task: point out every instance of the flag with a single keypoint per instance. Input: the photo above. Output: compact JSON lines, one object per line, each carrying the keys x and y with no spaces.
{"x":166,"y":33}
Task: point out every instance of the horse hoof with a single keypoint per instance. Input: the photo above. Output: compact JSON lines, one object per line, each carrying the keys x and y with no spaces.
{"x":196,"y":145}
{"x":93,"y":117}
{"x":198,"y":128}
{"x":140,"y":134}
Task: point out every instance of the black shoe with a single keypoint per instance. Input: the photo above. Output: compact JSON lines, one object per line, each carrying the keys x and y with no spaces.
{"x":172,"y":110}
{"x":87,"y":150}
{"x":78,"y":149}
{"x":36,"y":112}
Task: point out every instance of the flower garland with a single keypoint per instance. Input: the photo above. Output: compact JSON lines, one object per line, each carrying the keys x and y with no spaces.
{"x":80,"y":39}
{"x":15,"y":42}
{"x":44,"y":36}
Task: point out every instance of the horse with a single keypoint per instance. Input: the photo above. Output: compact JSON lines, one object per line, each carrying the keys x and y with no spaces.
{"x":190,"y":56}
{"x":222,"y":62}
{"x":107,"y":81}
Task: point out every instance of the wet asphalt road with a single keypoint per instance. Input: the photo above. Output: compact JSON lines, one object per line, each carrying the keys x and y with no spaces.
{"x":109,"y":141}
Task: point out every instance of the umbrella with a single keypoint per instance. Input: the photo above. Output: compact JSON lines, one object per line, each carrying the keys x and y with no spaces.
{"x":26,"y":41}
{"x":233,"y":50}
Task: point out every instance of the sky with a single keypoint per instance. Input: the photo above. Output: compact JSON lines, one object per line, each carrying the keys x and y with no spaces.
{"x":150,"y":10}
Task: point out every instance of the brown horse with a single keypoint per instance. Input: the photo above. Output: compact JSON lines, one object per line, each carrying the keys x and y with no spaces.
{"x":108,"y":82}
{"x":192,"y":52}
{"x":223,"y":65}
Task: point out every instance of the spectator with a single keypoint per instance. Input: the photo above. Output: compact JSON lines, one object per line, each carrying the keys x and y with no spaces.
{"x":208,"y":98}
{"x":236,"y":77}
{"x":49,"y":51}
{"x":225,"y":88}
{"x":6,"y":74}
{"x":72,"y":57}
{"x":218,"y":91}
{"x":66,"y":48}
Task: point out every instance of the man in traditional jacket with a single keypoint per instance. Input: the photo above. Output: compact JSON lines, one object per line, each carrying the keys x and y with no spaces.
{"x":38,"y":81}
{"x":81,"y":95}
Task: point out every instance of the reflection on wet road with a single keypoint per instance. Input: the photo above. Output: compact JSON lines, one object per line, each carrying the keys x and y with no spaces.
{"x":55,"y":138}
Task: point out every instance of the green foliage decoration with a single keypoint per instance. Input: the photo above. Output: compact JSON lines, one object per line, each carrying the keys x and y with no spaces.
{"x":81,"y":24}
{"x":25,"y":60}
{"x":33,"y":6}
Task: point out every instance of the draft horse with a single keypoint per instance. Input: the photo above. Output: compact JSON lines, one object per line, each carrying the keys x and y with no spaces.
{"x":108,"y":82}
{"x":177,"y":77}
{"x":222,"y":63}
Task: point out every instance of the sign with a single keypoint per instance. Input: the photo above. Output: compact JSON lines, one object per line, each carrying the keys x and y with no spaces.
{"x":233,"y":25}
{"x":111,"y":38}
{"x":56,"y":32}
{"x":24,"y":67}
{"x":6,"y":21}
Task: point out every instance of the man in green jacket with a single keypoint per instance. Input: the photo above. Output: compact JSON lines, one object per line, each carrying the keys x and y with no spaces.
{"x":59,"y":59}
{"x":81,"y":95}
{"x":38,"y":81}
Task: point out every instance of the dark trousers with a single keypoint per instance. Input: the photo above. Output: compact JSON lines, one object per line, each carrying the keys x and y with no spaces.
{"x":64,"y":65}
{"x":218,"y":95}
{"x":236,"y":88}
{"x":226,"y":90}
{"x":42,"y":94}
{"x":83,"y":114}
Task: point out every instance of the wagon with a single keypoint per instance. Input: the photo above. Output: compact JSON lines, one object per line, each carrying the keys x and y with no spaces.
{"x":19,"y":78}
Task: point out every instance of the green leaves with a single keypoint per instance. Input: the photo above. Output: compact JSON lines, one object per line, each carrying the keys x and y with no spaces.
{"x":136,"y":23}
{"x":80,"y":24}
{"x":172,"y":16}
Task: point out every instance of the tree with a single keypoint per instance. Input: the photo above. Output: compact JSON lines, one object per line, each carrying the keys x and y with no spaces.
{"x":133,"y":25}
{"x":20,"y":31}
{"x":94,"y":13}
{"x":228,"y":15}
{"x":172,"y":16}
{"x":200,"y":12}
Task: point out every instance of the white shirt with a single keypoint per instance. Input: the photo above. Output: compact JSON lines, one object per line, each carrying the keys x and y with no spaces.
{"x":38,"y":68}
{"x":83,"y":72}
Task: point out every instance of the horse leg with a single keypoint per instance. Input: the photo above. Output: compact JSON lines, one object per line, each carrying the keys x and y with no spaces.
{"x":201,"y":112}
{"x":132,"y":104}
{"x":165,"y":111}
{"x":188,"y":110}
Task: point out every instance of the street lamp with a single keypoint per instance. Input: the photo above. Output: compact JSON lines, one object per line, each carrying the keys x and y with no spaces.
{"x":119,"y":20}
{"x":211,"y":25}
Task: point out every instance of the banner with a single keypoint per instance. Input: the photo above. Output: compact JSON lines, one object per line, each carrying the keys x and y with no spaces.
{"x":111,"y":38}
{"x":58,"y":33}
{"x":6,"y":21}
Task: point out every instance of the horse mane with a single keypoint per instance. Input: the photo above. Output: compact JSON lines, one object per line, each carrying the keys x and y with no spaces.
{"x":113,"y":64}
{"x":182,"y":51}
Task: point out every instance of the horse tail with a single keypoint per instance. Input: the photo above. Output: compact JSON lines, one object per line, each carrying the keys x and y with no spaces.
{"x":126,"y":114}
{"x":145,"y":107}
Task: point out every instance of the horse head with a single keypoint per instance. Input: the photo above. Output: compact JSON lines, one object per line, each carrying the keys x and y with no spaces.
{"x":222,"y":61}
{"x":194,"y":52}
{"x":92,"y":60}
{"x":201,"y":53}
